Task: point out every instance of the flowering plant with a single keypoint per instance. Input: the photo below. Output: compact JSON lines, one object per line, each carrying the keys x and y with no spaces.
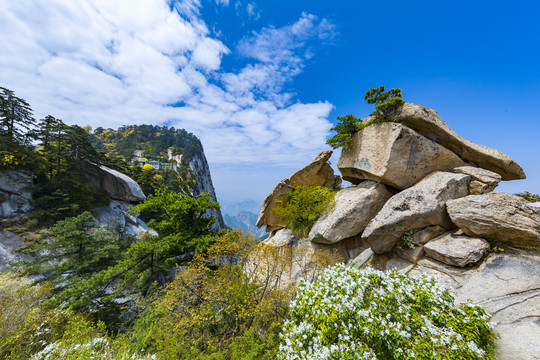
{"x":368,"y":314}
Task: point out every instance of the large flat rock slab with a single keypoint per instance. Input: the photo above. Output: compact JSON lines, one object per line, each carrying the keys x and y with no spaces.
{"x":394,"y":155}
{"x":426,"y":122}
{"x":502,"y":217}
{"x":353,"y":210}
{"x":417,"y":207}
{"x":508,"y":286}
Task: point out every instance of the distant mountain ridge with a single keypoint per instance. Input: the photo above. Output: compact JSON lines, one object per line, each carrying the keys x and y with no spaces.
{"x":245,"y":221}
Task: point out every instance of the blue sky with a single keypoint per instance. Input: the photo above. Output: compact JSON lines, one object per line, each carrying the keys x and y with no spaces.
{"x":262,"y":82}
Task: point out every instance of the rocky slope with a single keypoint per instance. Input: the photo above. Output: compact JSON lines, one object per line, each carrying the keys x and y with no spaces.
{"x":15,"y":189}
{"x":423,"y":202}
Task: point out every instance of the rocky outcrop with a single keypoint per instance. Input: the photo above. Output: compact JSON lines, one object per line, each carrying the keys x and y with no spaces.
{"x":317,"y":173}
{"x":9,"y":243}
{"x":505,"y":285}
{"x":15,"y":193}
{"x":502,"y":217}
{"x":267,"y":216}
{"x":118,"y":186}
{"x":203,"y":184}
{"x":454,"y":248}
{"x":419,"y":238}
{"x":116,"y":215}
{"x":394,"y":155}
{"x":353,"y":210}
{"x":415,"y":208}
{"x":426,"y":122}
{"x":482,"y":181}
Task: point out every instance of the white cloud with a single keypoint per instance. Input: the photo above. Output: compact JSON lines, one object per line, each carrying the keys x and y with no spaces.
{"x":110,"y":62}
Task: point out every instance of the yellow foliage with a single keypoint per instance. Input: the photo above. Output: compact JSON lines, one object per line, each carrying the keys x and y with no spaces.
{"x":147,"y":167}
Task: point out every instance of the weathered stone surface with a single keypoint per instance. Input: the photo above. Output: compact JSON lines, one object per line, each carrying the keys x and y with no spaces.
{"x":116,"y":214}
{"x":359,"y":261}
{"x":267,"y":216}
{"x":15,"y":193}
{"x":354,"y":208}
{"x":506,"y":285}
{"x":419,"y":239}
{"x":394,"y":155}
{"x":117,"y":185}
{"x":454,"y":248}
{"x":499,"y":216}
{"x":426,"y":122}
{"x":415,"y":208}
{"x":482,"y":181}
{"x":9,"y":242}
{"x":317,"y":173}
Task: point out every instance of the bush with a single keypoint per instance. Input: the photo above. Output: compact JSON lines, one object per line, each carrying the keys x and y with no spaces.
{"x":26,"y":324}
{"x":529,"y":197}
{"x":353,"y":314}
{"x":303,"y":206}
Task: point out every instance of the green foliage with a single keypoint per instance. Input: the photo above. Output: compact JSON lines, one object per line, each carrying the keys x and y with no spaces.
{"x":183,"y":231}
{"x":346,"y":127}
{"x":406,"y":240}
{"x":353,"y":314}
{"x":154,"y":140}
{"x":217,"y":308}
{"x":26,"y":324}
{"x":228,"y":303}
{"x":15,"y":117}
{"x":386,"y":102}
{"x":76,"y":250}
{"x":529,"y":197}
{"x":303,"y":206}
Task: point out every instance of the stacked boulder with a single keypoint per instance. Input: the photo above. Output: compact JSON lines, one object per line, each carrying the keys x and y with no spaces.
{"x":412,"y":178}
{"x":423,"y":203}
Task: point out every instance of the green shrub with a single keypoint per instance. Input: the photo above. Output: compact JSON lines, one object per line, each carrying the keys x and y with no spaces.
{"x":529,"y":197}
{"x":303,"y":206}
{"x":406,"y":240}
{"x":368,"y":314}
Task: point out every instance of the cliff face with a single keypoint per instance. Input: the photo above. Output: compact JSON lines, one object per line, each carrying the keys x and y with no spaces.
{"x":15,"y":193}
{"x":203,"y":183}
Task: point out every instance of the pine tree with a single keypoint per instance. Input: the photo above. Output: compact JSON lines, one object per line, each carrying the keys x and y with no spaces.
{"x":16,"y":117}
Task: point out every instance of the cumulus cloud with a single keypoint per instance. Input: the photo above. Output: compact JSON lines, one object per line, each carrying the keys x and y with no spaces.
{"x":111,"y":62}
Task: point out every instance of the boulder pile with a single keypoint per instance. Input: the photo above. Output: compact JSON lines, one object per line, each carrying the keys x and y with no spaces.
{"x":422,"y":200}
{"x":414,"y":176}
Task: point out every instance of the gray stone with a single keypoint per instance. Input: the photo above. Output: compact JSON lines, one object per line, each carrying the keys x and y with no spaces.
{"x":15,"y":193}
{"x":118,"y":186}
{"x":507,"y":285}
{"x":317,"y":173}
{"x":456,"y":249}
{"x":9,"y":243}
{"x":359,"y":261}
{"x":497,"y":216}
{"x":415,"y":208}
{"x":419,"y":239}
{"x":426,"y":122}
{"x":482,"y":181}
{"x":394,"y":155}
{"x":353,"y":210}
{"x":116,"y":215}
